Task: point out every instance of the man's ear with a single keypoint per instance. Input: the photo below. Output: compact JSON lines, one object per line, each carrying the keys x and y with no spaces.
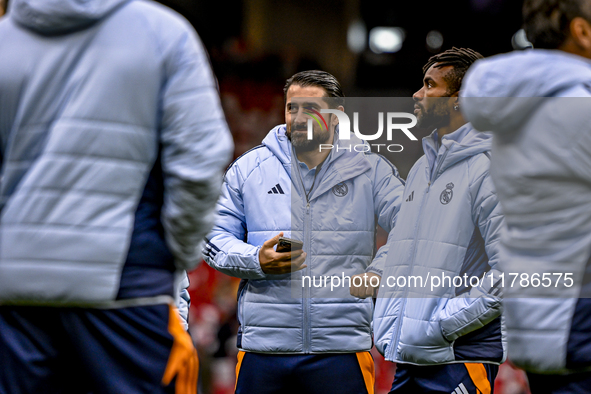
{"x":335,"y":119}
{"x":580,"y":32}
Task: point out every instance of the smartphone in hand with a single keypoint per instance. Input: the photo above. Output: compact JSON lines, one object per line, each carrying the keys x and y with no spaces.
{"x":288,"y":244}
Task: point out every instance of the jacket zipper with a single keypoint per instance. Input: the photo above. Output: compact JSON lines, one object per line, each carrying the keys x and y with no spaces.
{"x":241,"y":308}
{"x":394,"y":346}
{"x":307,"y":290}
{"x":307,"y":239}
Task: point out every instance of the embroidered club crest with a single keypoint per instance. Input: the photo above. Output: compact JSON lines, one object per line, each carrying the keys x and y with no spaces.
{"x":447,"y":194}
{"x":340,"y":189}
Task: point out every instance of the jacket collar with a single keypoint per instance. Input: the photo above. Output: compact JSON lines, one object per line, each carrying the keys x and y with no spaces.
{"x":346,"y":161}
{"x":452,"y":148}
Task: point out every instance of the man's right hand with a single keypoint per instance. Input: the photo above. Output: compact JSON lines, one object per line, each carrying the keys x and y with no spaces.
{"x":368,"y":288}
{"x":275,"y":263}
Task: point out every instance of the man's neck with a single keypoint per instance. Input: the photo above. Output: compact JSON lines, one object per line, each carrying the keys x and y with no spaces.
{"x":455,"y":123}
{"x":569,"y":46}
{"x":316,"y":156}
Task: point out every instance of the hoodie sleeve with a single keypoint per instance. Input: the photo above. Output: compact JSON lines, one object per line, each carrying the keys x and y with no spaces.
{"x":482,"y":304}
{"x":388,"y":190}
{"x":183,"y":302}
{"x":476,"y":96}
{"x":196,"y":146}
{"x":225,"y":250}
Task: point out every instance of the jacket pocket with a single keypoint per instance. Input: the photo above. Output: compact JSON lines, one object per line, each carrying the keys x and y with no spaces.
{"x":241,"y":290}
{"x":423,"y":342}
{"x":463,"y":315}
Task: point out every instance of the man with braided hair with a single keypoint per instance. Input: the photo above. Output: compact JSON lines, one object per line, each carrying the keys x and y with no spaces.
{"x":435,"y":315}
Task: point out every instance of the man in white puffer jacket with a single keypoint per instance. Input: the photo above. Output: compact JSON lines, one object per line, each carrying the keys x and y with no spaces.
{"x":444,"y":338}
{"x":294,"y":338}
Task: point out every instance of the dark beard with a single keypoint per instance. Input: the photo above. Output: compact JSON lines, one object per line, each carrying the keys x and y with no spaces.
{"x":301,"y":143}
{"x":436,"y":116}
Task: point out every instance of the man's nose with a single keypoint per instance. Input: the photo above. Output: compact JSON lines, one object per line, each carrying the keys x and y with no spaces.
{"x":418,"y":95}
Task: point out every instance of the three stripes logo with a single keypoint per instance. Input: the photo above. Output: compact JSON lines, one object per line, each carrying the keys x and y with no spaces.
{"x":496,"y":289}
{"x":276,"y":190}
{"x":410,"y":196}
{"x":210,"y":250}
{"x":461,"y":389}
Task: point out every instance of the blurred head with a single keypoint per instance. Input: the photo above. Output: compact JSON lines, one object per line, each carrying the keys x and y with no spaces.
{"x":442,"y":77}
{"x":305,"y":95}
{"x":559,"y":24}
{"x":2,"y":7}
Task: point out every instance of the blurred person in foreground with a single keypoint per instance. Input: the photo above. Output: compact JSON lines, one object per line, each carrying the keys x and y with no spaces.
{"x":537,"y":104}
{"x":444,"y":338}
{"x":113,"y":143}
{"x":293,"y":337}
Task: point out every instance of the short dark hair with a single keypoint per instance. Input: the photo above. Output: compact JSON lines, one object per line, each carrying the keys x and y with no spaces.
{"x":547,"y":22}
{"x":318,"y":78}
{"x":460,"y":58}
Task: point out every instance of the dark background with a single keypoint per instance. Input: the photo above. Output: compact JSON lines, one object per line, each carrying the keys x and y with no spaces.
{"x":264,"y":38}
{"x":255,"y":45}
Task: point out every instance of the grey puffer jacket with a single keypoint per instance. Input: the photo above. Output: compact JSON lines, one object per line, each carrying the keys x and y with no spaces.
{"x":448,"y":227}
{"x":262,"y":195}
{"x":113,"y":143}
{"x":537,"y":103}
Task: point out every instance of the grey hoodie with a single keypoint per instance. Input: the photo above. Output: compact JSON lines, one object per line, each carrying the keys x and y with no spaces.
{"x":50,"y":17}
{"x":537,"y":104}
{"x":94,"y":95}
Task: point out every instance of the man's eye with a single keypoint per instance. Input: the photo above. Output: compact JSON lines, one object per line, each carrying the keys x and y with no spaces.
{"x":293,"y":109}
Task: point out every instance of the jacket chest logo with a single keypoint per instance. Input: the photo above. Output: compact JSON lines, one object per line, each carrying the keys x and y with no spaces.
{"x":276,"y":190}
{"x":340,"y":189}
{"x":446,"y":195}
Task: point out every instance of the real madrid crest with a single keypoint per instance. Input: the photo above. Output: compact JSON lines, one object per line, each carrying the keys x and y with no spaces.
{"x":447,"y":194}
{"x":340,"y":189}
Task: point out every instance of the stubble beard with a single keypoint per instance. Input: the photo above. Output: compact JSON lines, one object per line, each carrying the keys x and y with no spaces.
{"x":433,"y":118}
{"x":298,"y":136}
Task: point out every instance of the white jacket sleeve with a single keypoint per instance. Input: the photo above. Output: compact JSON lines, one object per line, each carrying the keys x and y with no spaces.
{"x":196,"y":147}
{"x":482,"y":304}
{"x":183,"y":301}
{"x":388,"y":190}
{"x":226,"y":250}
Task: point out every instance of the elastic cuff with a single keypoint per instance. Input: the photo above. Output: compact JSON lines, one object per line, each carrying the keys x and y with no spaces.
{"x":375,"y":271}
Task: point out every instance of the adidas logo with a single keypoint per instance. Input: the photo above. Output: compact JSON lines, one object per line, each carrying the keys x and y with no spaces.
{"x":461,"y":389}
{"x":276,"y":190}
{"x":411,"y":195}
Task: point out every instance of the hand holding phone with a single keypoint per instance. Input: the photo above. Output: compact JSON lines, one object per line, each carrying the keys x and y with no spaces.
{"x":288,"y":245}
{"x":289,"y":256}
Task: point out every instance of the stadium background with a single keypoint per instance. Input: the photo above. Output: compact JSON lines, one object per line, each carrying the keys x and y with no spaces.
{"x":255,"y":45}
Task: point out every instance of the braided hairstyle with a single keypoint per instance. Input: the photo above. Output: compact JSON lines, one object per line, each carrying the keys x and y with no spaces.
{"x":460,"y":59}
